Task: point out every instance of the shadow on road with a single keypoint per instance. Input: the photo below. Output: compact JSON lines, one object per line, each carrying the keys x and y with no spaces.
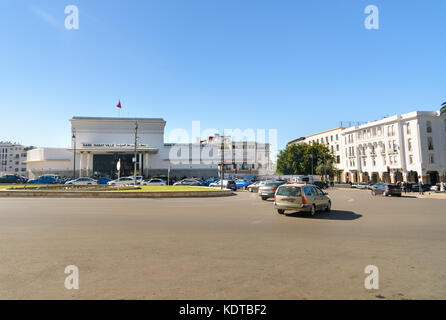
{"x":333,"y":215}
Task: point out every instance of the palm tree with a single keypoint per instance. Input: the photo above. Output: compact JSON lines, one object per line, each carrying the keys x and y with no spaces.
{"x":443,"y":108}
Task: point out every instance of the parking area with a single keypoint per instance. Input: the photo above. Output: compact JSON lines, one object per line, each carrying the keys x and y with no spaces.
{"x":222,"y":248}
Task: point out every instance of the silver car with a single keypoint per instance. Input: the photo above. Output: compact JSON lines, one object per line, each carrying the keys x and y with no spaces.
{"x":301,"y":198}
{"x":255,"y":186}
{"x":268,"y":190}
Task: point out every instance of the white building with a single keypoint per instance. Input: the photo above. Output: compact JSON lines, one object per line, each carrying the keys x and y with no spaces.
{"x":13,"y":158}
{"x":405,"y":147}
{"x":49,"y":160}
{"x":98,"y":144}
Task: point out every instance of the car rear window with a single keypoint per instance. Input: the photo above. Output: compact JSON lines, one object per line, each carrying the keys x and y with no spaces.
{"x":289,"y":191}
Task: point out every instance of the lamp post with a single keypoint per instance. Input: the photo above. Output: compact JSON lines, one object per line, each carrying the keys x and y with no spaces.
{"x":73,"y":138}
{"x":311,"y":156}
{"x":136,"y":143}
{"x":222,"y":162}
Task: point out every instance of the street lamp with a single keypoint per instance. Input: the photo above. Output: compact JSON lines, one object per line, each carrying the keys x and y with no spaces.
{"x":136,"y":143}
{"x":73,"y":138}
{"x":311,"y":156}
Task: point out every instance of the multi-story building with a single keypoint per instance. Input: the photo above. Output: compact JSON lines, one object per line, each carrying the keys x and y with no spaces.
{"x":240,"y":157}
{"x":407,"y":147}
{"x":332,"y":139}
{"x":13,"y":158}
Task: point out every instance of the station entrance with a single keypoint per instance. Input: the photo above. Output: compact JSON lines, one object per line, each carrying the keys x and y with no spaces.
{"x":104,"y":165}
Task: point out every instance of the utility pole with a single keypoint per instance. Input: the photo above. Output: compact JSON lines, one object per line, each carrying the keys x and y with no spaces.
{"x":136,"y":144}
{"x":73,"y":138}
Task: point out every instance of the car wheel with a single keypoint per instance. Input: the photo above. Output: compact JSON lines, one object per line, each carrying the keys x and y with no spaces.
{"x":280,"y":211}
{"x":313,"y":210}
{"x":328,"y":209}
{"x":263,"y":198}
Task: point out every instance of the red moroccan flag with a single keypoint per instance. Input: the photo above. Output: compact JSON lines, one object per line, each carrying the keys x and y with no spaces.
{"x":119,"y":105}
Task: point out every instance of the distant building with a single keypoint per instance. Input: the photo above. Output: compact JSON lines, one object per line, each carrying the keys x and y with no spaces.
{"x":407,"y":147}
{"x":99,"y":143}
{"x":13,"y":158}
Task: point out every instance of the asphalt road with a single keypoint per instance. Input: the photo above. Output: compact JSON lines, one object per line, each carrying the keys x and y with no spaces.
{"x":222,"y":248}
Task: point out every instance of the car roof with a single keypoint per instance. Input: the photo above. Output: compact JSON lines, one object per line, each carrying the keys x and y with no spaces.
{"x":294,"y":185}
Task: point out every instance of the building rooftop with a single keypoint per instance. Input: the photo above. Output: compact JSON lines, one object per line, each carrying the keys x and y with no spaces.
{"x":116,"y":119}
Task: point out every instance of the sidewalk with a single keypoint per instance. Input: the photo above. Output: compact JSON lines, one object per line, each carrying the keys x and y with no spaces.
{"x":430,"y":195}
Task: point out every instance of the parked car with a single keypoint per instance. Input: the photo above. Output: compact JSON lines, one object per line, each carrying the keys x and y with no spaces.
{"x":320,"y":184}
{"x":416,"y":187}
{"x":301,"y":198}
{"x":188,"y":182}
{"x":139,"y":179}
{"x":269,"y":189}
{"x":361,"y":185}
{"x":241,"y":184}
{"x":209,"y":181}
{"x":64,"y":181}
{"x":82,"y":181}
{"x":386,"y":190}
{"x":436,"y":187}
{"x":11,"y":178}
{"x":154,"y":182}
{"x":121,"y":181}
{"x":228,"y":184}
{"x":46,"y":179}
{"x":254,"y":187}
{"x":104,"y":180}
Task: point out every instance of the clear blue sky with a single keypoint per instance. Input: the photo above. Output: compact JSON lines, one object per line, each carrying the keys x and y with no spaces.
{"x":296,"y":66}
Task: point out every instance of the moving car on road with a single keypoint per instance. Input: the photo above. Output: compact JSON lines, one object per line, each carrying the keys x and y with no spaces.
{"x":269,"y":189}
{"x":386,"y":190}
{"x":301,"y":198}
{"x":82,"y":181}
{"x":154,"y":182}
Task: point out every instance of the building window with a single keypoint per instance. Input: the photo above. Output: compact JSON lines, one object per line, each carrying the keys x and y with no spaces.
{"x":337,"y":147}
{"x":409,"y":131}
{"x":431,"y":159}
{"x":374,"y":162}
{"x":409,"y":144}
{"x":430,"y":144}
{"x":411,"y":159}
{"x":429,"y":127}
{"x":338,"y":159}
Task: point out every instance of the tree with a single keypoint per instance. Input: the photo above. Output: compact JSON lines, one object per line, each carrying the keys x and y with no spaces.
{"x":303,"y":159}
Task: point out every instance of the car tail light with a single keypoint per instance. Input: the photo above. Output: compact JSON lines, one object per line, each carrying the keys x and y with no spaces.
{"x":304,"y":200}
{"x":273,"y":188}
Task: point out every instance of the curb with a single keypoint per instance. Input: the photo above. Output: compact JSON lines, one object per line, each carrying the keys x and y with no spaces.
{"x":116,"y":195}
